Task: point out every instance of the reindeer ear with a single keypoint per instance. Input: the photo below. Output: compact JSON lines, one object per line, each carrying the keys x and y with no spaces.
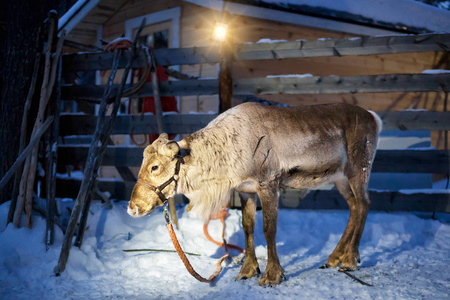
{"x":171,"y":149}
{"x":163,"y":136}
{"x":149,"y":150}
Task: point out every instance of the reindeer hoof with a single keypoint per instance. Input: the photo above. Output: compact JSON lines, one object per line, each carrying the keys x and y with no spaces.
{"x":325,"y":266}
{"x":347,"y":269}
{"x":246,"y":273}
{"x":272,"y":276}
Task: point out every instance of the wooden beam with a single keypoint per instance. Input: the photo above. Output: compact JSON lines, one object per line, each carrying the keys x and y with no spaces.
{"x":412,"y":161}
{"x":380,"y":200}
{"x":166,"y":88}
{"x":68,"y":187}
{"x":283,"y":85}
{"x":343,"y":47}
{"x":225,"y":77}
{"x":36,"y":138}
{"x":281,"y":50}
{"x":316,"y":199}
{"x":415,"y":120}
{"x":389,"y":161}
{"x":344,"y":84}
{"x":76,"y":124}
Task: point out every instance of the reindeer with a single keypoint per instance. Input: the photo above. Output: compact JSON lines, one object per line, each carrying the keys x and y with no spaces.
{"x":259,"y":149}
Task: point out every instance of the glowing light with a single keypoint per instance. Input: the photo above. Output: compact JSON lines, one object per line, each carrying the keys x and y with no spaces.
{"x":220,"y":32}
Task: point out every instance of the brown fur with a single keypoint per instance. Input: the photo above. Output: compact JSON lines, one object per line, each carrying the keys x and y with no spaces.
{"x":257,"y":149}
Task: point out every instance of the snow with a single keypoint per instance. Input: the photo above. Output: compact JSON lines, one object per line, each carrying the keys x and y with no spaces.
{"x":406,"y":12}
{"x":291,"y":75}
{"x":404,"y":256}
{"x":435,"y":71}
{"x":269,"y":41}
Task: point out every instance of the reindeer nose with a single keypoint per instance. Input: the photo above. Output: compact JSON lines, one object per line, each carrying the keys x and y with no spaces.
{"x":133,"y":210}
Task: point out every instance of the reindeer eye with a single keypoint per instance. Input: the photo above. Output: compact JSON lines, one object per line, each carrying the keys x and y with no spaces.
{"x":154,"y":168}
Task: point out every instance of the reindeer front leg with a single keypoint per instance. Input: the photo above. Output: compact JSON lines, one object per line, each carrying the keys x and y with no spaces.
{"x":269,"y":201}
{"x":250,"y":267}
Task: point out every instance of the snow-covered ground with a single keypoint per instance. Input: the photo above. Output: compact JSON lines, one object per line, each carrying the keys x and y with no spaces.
{"x":403,"y":255}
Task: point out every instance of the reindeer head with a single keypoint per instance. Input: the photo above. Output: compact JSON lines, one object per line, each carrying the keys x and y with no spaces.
{"x":157,"y":177}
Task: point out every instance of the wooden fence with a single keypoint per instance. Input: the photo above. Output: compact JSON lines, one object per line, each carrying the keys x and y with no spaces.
{"x":389,"y":161}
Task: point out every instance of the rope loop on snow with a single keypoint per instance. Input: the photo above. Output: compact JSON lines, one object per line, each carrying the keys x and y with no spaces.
{"x":183,"y":257}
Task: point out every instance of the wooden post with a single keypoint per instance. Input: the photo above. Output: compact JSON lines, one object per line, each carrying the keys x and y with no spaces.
{"x":446,"y":131}
{"x":104,"y":138}
{"x":124,"y":172}
{"x":88,"y":172}
{"x":160,"y":123}
{"x":36,"y":138}
{"x":23,"y":135}
{"x":51,"y":159}
{"x":95,"y":157}
{"x":225,"y":77}
{"x":27,"y":180}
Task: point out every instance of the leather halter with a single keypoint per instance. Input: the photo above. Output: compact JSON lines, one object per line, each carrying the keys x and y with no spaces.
{"x":158,"y":190}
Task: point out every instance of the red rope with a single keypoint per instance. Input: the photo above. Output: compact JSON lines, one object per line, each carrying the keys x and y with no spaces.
{"x":221,"y":215}
{"x":186,"y":262}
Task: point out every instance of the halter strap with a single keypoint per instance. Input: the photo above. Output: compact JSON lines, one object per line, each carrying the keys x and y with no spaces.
{"x":158,"y":190}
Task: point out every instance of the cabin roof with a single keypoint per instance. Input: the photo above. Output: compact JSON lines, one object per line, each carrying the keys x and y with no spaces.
{"x":362,"y":17}
{"x":402,"y":15}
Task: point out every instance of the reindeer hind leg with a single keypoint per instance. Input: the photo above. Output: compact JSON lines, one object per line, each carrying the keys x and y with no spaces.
{"x":359,"y":187}
{"x":340,"y":253}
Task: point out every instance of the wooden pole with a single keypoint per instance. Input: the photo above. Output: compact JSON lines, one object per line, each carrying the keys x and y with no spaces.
{"x":88,"y":172}
{"x":95,"y":157}
{"x":52,"y":157}
{"x":23,"y":135}
{"x":104,"y":138}
{"x":225,"y":77}
{"x":124,"y":172}
{"x":23,"y":189}
{"x":42,"y":108}
{"x":15,"y":167}
{"x":160,"y":124}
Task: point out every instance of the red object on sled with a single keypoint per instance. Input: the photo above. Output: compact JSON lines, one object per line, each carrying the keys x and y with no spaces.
{"x":148,"y":103}
{"x":167,"y":103}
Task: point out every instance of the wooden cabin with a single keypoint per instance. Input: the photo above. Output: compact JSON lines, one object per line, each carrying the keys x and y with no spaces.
{"x":189,"y":23}
{"x":178,"y":23}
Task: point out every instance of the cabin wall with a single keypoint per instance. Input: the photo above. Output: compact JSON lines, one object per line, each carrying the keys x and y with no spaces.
{"x":195,"y":27}
{"x":195,"y":30}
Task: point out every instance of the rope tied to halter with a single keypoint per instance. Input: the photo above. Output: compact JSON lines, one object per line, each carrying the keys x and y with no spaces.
{"x":159,"y":191}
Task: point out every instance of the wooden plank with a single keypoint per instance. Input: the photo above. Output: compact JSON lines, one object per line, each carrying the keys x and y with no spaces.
{"x":167,"y":57}
{"x":412,"y":161}
{"x":282,"y":50}
{"x":389,"y":161}
{"x":415,"y":120}
{"x":26,"y":152}
{"x":316,"y":199}
{"x":380,"y":200}
{"x":76,"y":124}
{"x":119,"y":156}
{"x":283,"y":85}
{"x":343,"y":47}
{"x":68,"y":188}
{"x":343,"y":84}
{"x":167,"y":88}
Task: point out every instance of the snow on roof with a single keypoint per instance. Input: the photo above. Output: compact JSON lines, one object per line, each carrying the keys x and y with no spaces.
{"x":403,"y":13}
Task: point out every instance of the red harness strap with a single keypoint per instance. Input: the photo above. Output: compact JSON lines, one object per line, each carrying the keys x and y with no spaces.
{"x":221,"y":215}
